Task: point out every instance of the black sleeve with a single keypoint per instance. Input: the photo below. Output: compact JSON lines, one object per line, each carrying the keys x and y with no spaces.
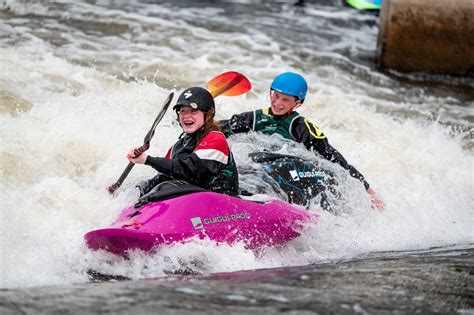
{"x":191,"y":169}
{"x":240,"y":123}
{"x":313,"y":138}
{"x":146,"y":186}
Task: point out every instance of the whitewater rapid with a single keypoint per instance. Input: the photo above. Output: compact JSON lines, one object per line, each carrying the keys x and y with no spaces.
{"x":81,"y":83}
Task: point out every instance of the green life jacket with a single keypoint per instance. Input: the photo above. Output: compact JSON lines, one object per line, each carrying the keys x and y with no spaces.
{"x":268,"y":124}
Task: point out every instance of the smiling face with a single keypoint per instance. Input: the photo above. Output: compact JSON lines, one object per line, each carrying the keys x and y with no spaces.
{"x":281,"y":103}
{"x":190,"y":119}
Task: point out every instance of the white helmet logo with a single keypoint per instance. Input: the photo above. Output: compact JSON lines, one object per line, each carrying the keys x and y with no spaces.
{"x":188,"y":94}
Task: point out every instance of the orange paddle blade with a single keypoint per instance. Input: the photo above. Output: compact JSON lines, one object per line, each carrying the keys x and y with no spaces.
{"x":229,"y":83}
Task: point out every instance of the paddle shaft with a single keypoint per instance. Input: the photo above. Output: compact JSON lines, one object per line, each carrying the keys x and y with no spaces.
{"x":127,"y":170}
{"x":146,"y":145}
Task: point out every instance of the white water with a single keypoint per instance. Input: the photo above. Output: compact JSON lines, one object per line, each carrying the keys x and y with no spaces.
{"x":67,"y":118}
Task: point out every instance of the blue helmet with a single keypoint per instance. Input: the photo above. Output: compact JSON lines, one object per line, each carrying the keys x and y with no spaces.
{"x":290,"y":83}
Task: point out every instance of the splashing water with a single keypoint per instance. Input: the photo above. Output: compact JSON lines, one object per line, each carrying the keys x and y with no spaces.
{"x":80,"y":84}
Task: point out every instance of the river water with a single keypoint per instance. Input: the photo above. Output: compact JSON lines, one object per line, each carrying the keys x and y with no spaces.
{"x":81,"y":82}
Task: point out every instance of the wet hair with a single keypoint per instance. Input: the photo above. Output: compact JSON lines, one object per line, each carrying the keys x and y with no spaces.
{"x":209,"y":124}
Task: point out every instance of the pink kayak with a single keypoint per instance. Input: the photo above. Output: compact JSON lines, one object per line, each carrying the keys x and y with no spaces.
{"x":202,"y":214}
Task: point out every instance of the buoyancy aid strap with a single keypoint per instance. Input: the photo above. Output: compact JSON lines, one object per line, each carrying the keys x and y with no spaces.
{"x":314,"y":130}
{"x":291,"y":126}
{"x":254,"y":120}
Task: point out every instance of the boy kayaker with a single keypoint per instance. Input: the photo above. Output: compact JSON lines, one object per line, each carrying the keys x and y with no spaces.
{"x":287,"y":92}
{"x":201,"y":156}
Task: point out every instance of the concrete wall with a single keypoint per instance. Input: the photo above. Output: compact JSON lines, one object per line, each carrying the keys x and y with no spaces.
{"x":435,"y":36}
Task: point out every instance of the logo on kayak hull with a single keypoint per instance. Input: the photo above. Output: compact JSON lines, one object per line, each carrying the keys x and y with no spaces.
{"x":199,"y":223}
{"x":295,"y":175}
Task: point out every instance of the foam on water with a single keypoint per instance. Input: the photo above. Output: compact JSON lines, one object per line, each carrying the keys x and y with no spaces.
{"x":70,"y":112}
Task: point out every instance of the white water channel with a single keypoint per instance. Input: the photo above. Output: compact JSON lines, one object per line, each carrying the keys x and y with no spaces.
{"x":77,"y":91}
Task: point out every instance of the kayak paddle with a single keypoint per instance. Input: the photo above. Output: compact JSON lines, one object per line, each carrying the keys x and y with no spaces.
{"x":144,"y":147}
{"x":229,"y":83}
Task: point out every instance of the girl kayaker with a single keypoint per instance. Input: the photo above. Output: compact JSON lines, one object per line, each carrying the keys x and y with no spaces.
{"x":201,"y":156}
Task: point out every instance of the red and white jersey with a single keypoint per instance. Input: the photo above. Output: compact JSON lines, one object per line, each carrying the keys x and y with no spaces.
{"x":212,"y":147}
{"x":207,"y":163}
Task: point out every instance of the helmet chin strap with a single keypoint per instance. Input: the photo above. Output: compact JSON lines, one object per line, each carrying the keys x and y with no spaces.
{"x":295,"y":107}
{"x":210,"y":115}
